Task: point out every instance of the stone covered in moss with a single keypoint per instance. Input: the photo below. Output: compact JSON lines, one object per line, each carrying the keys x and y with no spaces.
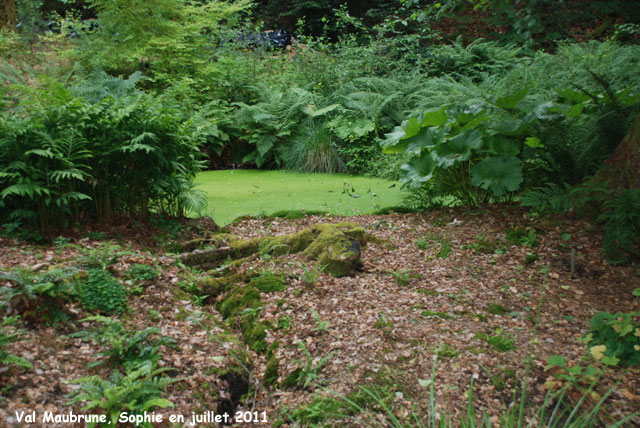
{"x":337,"y":247}
{"x":289,"y":244}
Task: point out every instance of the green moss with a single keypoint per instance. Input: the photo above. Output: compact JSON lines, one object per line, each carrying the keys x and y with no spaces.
{"x":255,"y":333}
{"x":268,"y":282}
{"x":291,"y":381}
{"x":245,"y":247}
{"x":497,"y":309}
{"x":337,"y":247}
{"x":238,"y":300}
{"x":442,"y":315}
{"x":214,"y":287}
{"x":427,"y":292}
{"x":271,"y":372}
{"x":294,"y":214}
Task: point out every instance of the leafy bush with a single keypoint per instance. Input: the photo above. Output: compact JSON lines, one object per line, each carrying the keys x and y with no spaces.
{"x":102,"y":292}
{"x":615,"y":338}
{"x":135,"y":393}
{"x":131,"y":349}
{"x":474,"y":152}
{"x":102,"y":148}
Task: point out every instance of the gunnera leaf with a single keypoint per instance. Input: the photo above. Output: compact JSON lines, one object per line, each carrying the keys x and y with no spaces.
{"x":498,"y":175}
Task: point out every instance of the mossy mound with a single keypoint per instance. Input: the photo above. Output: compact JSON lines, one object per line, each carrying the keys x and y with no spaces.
{"x":268,"y":283}
{"x":255,"y":333}
{"x":272,"y":371}
{"x":239,"y":299}
{"x":336,"y":246}
{"x":214,"y":287}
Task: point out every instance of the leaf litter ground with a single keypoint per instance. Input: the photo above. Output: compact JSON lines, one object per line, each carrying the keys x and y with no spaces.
{"x":445,"y":281}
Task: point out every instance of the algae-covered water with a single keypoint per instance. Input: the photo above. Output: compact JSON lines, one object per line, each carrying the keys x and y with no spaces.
{"x":234,"y":193}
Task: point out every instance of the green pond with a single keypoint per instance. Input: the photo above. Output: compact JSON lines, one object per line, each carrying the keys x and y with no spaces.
{"x":234,"y":193}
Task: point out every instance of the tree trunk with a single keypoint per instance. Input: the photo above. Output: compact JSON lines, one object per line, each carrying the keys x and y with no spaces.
{"x":7,"y":15}
{"x":622,"y":169}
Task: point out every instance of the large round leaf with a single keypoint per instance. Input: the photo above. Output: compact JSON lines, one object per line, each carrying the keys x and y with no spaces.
{"x":418,"y":170}
{"x":498,"y":174}
{"x":458,"y":148}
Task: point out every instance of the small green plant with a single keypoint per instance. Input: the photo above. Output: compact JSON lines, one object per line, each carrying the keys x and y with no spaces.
{"x":569,"y":374}
{"x":310,"y":276}
{"x":284,"y":322}
{"x":522,"y":236}
{"x":102,"y":292}
{"x":131,"y":349}
{"x":447,"y":351}
{"x":615,"y":338}
{"x":402,"y":277}
{"x":307,"y":372}
{"x":102,"y":256}
{"x":7,"y":337}
{"x":482,"y":245}
{"x":500,"y":341}
{"x":38,"y":296}
{"x":429,"y":314}
{"x":321,"y":325}
{"x":382,"y":322}
{"x":423,"y":243}
{"x":445,"y":248}
{"x":135,"y":393}
{"x":497,"y":309}
{"x":139,"y":273}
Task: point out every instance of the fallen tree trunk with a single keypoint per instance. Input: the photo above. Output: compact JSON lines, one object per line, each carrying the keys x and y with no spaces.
{"x":336,"y":247}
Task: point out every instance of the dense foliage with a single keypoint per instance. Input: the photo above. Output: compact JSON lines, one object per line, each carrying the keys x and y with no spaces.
{"x":100,"y":147}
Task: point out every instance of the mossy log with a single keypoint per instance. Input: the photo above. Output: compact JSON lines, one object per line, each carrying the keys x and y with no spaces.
{"x":336,"y":246}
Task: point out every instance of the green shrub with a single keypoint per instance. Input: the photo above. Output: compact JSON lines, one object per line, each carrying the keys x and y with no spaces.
{"x":38,"y":296}
{"x":100,"y":148}
{"x":141,"y":273}
{"x":102,"y":292}
{"x":131,"y":349}
{"x":473,"y":152}
{"x":136,"y":392}
{"x":615,"y":338}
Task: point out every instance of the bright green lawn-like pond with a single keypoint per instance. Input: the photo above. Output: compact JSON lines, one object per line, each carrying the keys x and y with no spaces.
{"x":234,"y":193}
